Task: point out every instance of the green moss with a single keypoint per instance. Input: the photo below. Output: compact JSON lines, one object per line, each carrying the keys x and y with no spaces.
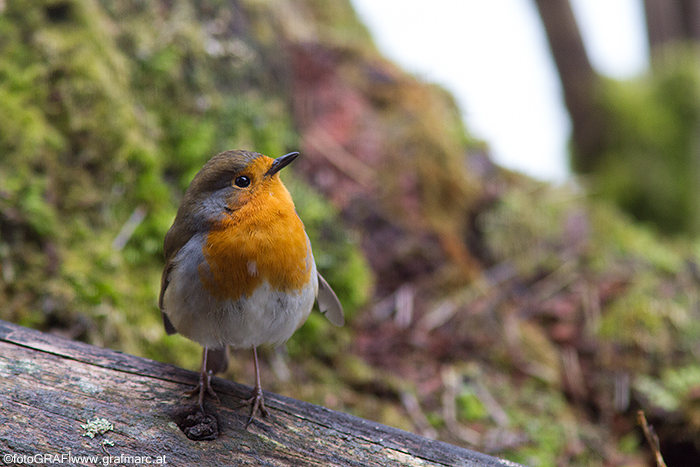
{"x":470,"y":407}
{"x":629,"y":444}
{"x":643,"y":319}
{"x":551,"y":427}
{"x":528,"y":226}
{"x":338,"y":23}
{"x":674,"y":391}
{"x":649,"y":166}
{"x":617,"y":236}
{"x":111,"y":107}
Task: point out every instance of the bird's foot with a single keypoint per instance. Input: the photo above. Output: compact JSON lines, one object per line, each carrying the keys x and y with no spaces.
{"x":257,"y":404}
{"x":203,"y":386}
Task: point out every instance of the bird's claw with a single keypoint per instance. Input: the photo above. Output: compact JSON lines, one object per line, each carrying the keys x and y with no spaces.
{"x":203,"y":386}
{"x":257,"y":404}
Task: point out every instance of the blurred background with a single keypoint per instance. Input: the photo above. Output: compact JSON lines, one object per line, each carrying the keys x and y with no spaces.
{"x":503,"y":194}
{"x":494,"y":58}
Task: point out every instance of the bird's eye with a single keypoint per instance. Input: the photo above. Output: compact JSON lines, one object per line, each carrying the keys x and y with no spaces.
{"x":242,"y":181}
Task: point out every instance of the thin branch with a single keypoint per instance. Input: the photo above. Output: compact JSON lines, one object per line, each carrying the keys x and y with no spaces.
{"x":652,"y":438}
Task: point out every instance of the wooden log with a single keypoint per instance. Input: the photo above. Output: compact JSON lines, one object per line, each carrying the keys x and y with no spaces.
{"x":52,"y":390}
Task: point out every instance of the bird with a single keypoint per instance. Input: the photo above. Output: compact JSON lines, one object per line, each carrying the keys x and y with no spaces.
{"x":239,"y":270}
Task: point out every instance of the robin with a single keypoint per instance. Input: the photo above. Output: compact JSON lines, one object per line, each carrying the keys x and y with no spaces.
{"x":239,"y":269}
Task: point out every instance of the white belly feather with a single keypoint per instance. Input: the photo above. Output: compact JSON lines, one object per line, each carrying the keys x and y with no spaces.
{"x":265,"y":317}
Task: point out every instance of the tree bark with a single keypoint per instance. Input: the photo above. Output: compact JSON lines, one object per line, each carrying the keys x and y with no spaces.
{"x":578,"y":79}
{"x":671,"y":21}
{"x":53,"y":390}
{"x":663,"y":18}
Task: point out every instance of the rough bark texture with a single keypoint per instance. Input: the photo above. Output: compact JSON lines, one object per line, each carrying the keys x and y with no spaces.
{"x":51,"y":387}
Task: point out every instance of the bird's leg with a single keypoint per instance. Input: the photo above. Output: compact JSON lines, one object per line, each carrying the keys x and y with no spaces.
{"x":257,"y":401}
{"x":204,"y":384}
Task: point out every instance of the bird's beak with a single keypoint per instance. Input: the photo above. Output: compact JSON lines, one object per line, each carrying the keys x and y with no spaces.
{"x":281,"y":162}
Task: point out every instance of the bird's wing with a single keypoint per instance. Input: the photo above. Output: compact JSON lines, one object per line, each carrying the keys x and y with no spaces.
{"x":328,"y":302}
{"x":164,"y":281}
{"x":174,"y":240}
{"x":169,"y":328}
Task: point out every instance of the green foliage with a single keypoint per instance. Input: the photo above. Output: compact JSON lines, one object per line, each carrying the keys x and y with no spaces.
{"x":551,"y":427}
{"x":469,"y":406}
{"x":617,"y":238}
{"x":528,"y":225}
{"x":675,"y":391}
{"x":649,"y":166}
{"x":642,"y":317}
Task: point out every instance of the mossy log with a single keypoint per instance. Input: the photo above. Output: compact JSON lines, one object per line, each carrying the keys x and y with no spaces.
{"x":53,"y":390}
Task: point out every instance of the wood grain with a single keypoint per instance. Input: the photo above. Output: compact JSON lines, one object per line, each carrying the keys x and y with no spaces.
{"x":50,"y":387}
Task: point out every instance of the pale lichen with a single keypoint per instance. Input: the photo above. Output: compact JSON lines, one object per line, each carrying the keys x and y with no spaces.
{"x":98,"y":426}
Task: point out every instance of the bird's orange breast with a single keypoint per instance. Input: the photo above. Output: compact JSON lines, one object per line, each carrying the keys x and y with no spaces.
{"x":261,"y":239}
